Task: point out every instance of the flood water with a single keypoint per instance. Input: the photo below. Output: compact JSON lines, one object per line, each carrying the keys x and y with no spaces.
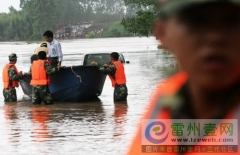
{"x":87,"y":128}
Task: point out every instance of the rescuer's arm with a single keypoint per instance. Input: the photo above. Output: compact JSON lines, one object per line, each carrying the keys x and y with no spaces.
{"x":13,"y":74}
{"x":50,"y":69}
{"x":111,"y":69}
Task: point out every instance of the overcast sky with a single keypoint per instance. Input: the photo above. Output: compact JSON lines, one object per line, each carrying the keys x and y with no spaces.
{"x":5,"y":4}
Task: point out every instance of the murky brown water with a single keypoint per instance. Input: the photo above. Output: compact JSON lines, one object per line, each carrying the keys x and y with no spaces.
{"x":101,"y":127}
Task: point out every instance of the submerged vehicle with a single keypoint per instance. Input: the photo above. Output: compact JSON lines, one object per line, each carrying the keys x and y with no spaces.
{"x":100,"y":58}
{"x":76,"y":83}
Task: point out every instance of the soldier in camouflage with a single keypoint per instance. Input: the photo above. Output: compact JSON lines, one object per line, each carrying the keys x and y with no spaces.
{"x":41,"y":92}
{"x":9,"y":91}
{"x":120,"y":90}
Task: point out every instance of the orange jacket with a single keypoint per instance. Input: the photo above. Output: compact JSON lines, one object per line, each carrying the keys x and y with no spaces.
{"x":39,"y":74}
{"x":120,"y":77}
{"x":6,"y":78}
{"x":168,"y":87}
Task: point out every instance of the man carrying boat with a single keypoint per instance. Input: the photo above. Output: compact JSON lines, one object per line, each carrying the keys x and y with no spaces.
{"x":117,"y":76}
{"x":11,"y":77}
{"x":204,"y":35}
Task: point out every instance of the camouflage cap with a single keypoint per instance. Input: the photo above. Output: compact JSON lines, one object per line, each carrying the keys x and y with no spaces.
{"x":170,"y":7}
{"x":12,"y":56}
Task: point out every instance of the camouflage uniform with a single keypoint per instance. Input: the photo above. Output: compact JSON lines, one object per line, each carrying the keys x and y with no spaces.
{"x":42,"y":93}
{"x":120,"y":92}
{"x":10,"y":95}
{"x":180,"y":104}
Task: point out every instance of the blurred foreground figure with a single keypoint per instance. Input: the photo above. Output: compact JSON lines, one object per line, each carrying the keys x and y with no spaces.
{"x":204,"y":35}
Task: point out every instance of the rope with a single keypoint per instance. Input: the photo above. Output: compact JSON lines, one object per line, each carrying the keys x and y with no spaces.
{"x":78,"y":76}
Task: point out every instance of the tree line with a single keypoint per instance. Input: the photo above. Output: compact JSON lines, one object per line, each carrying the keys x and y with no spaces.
{"x":37,"y":16}
{"x":141,"y":22}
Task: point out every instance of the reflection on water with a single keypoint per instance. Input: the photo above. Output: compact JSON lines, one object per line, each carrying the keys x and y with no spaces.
{"x":40,"y":116}
{"x":88,"y":128}
{"x":13,"y":132}
{"x":164,"y":64}
{"x":10,"y":111}
{"x":120,"y":112}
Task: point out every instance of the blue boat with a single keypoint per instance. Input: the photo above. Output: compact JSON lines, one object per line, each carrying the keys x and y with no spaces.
{"x":72,"y":84}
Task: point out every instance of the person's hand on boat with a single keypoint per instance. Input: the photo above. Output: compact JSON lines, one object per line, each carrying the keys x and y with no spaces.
{"x":59,"y":64}
{"x":60,"y":67}
{"x":26,"y":74}
{"x":106,"y":65}
{"x":21,"y":74}
{"x":94,"y":63}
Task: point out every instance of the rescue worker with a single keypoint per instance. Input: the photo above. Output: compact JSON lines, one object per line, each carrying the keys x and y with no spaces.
{"x":43,"y":47}
{"x":11,"y":77}
{"x":40,"y":72}
{"x":117,"y":76}
{"x":204,"y":35}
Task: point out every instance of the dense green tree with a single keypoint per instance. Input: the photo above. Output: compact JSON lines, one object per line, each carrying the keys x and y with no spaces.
{"x":40,"y":15}
{"x":11,"y":25}
{"x":117,"y":30}
{"x":37,"y":16}
{"x":141,"y":23}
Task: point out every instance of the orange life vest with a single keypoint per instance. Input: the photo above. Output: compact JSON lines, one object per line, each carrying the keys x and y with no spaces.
{"x":120,"y":77}
{"x":6,"y":78}
{"x":170,"y":87}
{"x":39,"y":74}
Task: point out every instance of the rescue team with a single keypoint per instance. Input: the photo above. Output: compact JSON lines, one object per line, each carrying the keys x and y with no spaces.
{"x":45,"y":61}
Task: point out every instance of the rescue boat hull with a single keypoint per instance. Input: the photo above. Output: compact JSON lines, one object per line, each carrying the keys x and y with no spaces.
{"x":72,"y":84}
